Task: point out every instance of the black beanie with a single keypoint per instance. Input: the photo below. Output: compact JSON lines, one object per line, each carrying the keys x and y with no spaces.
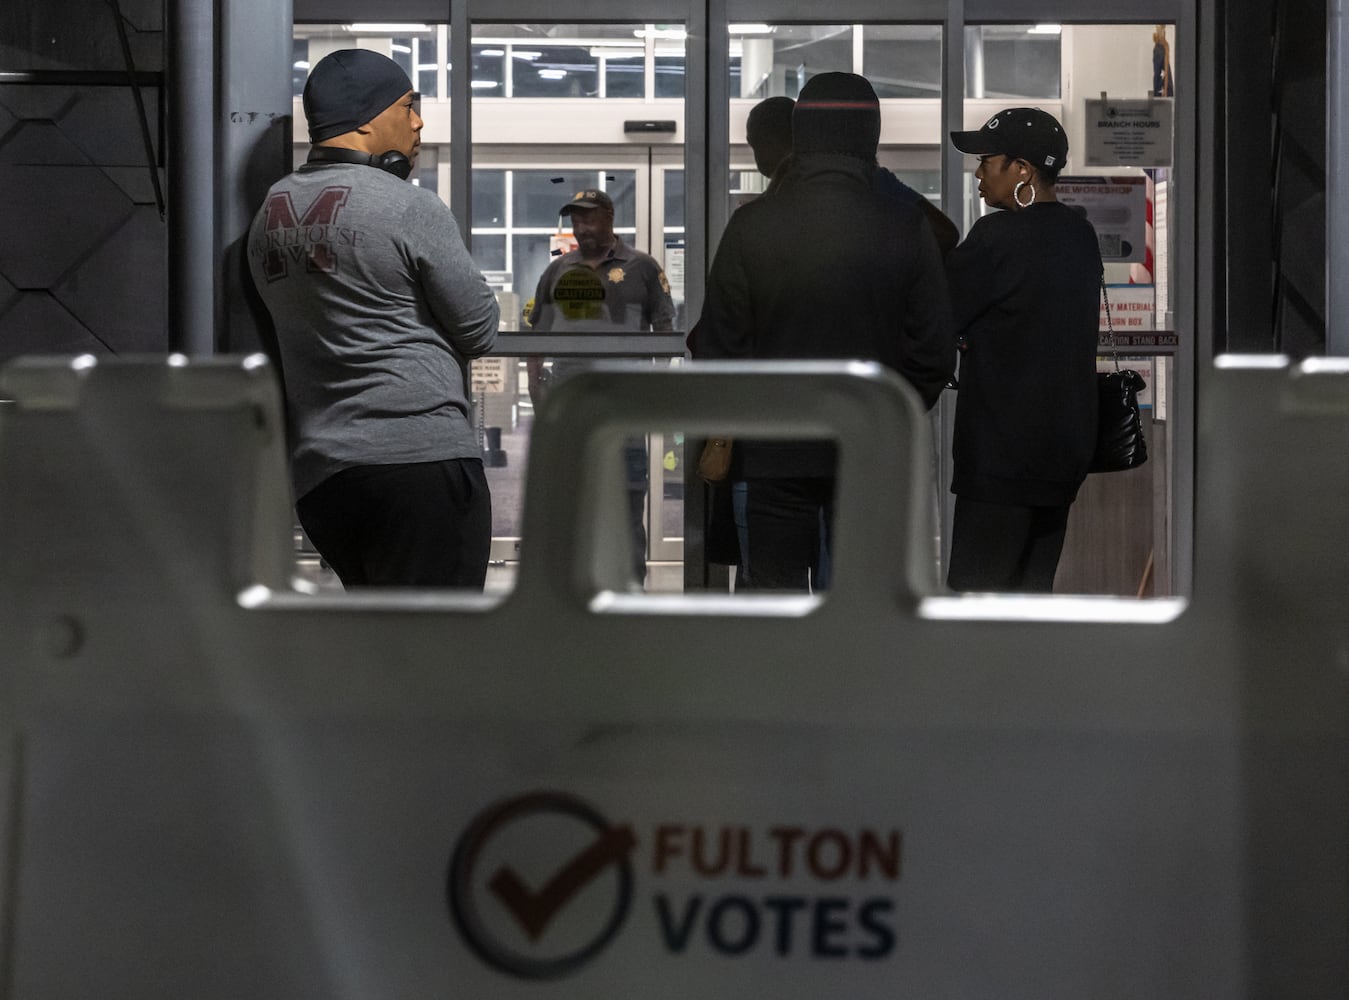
{"x":837,"y":113}
{"x":350,"y":88}
{"x":770,"y":122}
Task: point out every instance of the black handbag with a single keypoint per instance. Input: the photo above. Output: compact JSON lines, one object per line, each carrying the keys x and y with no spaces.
{"x":1119,"y":429}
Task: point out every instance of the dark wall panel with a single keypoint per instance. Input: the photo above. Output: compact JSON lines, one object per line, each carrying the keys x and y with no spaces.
{"x":79,"y":34}
{"x":88,"y":273}
{"x":1300,"y":178}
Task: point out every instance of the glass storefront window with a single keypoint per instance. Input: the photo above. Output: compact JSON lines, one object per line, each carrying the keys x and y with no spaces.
{"x":674,"y":201}
{"x":427,"y":173}
{"x":625,"y":75}
{"x":530,"y":161}
{"x":415,"y":47}
{"x":577,"y":61}
{"x":417,"y":54}
{"x":489,"y":70}
{"x":902,"y":60}
{"x":489,"y":198}
{"x":1013,"y":61}
{"x":515,"y":215}
{"x":299,"y":70}
{"x":554,"y":71}
{"x":1119,"y":539}
{"x":774,"y":60}
{"x":669,"y":76}
{"x":530,"y":253}
{"x":536,"y":196}
{"x":531,"y":61}
{"x":489,"y":252}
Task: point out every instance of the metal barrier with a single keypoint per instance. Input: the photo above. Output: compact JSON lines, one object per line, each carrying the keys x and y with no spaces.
{"x":213,"y":786}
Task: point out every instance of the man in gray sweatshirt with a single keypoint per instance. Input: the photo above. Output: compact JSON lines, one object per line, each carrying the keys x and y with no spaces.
{"x":378,"y":310}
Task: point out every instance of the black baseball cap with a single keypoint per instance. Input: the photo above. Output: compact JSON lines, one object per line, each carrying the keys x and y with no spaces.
{"x":588,"y":199}
{"x":1022,"y":133}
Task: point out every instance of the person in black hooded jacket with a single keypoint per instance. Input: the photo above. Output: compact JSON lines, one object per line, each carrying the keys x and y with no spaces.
{"x":827,"y":267}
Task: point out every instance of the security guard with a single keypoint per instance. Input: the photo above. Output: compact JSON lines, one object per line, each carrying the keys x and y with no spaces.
{"x":602,"y":286}
{"x":631,"y":294}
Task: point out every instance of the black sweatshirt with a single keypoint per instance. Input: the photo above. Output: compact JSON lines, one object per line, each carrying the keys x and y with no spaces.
{"x":1025,"y":287}
{"x":827,"y":267}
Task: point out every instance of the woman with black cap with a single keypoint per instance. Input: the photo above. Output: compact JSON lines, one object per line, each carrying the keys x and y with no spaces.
{"x":1025,"y":286}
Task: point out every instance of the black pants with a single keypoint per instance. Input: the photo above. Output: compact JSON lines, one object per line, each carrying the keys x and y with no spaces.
{"x":788,"y":527}
{"x":424,"y":524}
{"x":638,"y":479}
{"x":1003,"y":547}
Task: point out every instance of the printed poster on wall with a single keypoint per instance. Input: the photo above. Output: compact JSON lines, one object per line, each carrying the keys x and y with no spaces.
{"x":1131,"y":309}
{"x":674,"y":270}
{"x":1133,"y":315}
{"x":1128,"y":133}
{"x":1117,"y":207}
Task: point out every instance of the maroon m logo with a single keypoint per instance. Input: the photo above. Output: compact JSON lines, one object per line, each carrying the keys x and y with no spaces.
{"x":307,"y":238}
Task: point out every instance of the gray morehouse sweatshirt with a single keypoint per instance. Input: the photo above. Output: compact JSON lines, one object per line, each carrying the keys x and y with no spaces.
{"x":378,"y":310}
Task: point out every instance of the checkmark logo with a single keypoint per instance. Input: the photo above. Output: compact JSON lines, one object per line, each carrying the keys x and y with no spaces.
{"x":506,"y":917}
{"x":534,"y":910}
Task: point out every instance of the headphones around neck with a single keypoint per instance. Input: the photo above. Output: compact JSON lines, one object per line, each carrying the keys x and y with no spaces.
{"x":393,"y":161}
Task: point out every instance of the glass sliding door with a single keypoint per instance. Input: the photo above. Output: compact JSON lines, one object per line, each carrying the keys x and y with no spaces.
{"x":566,"y":97}
{"x":553,"y":107}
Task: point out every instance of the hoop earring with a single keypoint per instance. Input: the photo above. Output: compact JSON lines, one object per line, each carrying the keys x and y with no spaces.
{"x":1016,"y":194}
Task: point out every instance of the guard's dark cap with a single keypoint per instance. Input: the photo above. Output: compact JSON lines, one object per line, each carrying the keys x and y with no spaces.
{"x":588,"y":199}
{"x":837,"y":113}
{"x":350,"y":88}
{"x":1022,"y":133}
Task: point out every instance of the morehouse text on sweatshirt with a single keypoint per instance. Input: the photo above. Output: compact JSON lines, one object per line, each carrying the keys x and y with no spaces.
{"x":378,"y":310}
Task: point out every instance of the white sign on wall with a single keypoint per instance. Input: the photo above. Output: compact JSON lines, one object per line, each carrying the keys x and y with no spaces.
{"x":674,"y":270}
{"x":1161,"y":239}
{"x":1133,"y":312}
{"x":1131,"y":308}
{"x":1129,"y":133}
{"x":489,"y":374}
{"x":1118,"y":209}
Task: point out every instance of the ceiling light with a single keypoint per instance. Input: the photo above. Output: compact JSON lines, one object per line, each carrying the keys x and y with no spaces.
{"x":387,"y":29}
{"x":526,"y":54}
{"x":751,"y":29}
{"x":401,"y":48}
{"x":491,"y":52}
{"x":1045,"y":29}
{"x":552,"y":74}
{"x":677,"y":34}
{"x":484,"y":84}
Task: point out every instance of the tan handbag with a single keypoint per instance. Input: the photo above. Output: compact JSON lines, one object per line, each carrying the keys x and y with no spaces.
{"x":715,"y":461}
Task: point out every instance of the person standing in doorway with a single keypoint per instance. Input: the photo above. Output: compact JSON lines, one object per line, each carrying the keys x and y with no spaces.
{"x":1161,"y":64}
{"x":768,"y":131}
{"x":825,"y":266}
{"x":1026,"y":287}
{"x":603,"y":286}
{"x":378,"y":310}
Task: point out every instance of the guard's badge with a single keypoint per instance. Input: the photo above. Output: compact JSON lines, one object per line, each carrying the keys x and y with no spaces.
{"x":664,"y":283}
{"x":616,"y":275}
